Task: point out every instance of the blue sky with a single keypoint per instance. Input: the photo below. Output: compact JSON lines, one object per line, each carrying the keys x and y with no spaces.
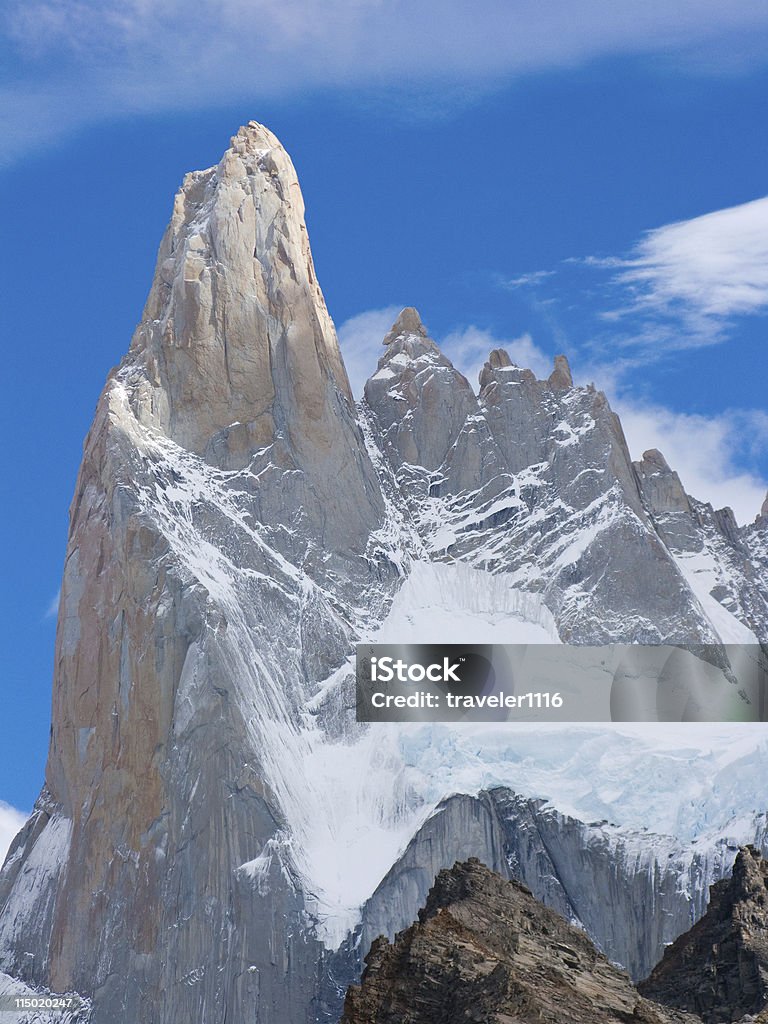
{"x":579,"y":176}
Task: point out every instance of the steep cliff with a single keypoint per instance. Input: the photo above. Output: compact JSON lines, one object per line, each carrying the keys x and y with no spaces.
{"x":632,"y":890}
{"x":195,"y":622}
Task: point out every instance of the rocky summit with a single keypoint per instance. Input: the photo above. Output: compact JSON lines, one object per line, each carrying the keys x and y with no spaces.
{"x":719,"y":969}
{"x":484,"y":950}
{"x":216,"y":831}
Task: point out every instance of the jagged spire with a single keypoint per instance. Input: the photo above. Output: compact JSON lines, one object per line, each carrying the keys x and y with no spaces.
{"x":407,"y":322}
{"x":656,"y":460}
{"x":561,"y":375}
{"x":236,"y":329}
{"x":499,"y":358}
{"x":764,"y":508}
{"x":660,"y":484}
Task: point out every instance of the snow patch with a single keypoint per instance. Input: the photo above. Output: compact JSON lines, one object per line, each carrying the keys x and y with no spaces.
{"x":702,"y":577}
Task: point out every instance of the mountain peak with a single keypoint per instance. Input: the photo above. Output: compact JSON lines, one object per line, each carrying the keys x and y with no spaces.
{"x":407,"y":322}
{"x":484,"y":949}
{"x":655,"y":460}
{"x":719,"y":969}
{"x":255,"y":130}
{"x":561,"y":376}
{"x":254,"y":136}
{"x":499,"y":358}
{"x":236,"y":332}
{"x":660,"y":484}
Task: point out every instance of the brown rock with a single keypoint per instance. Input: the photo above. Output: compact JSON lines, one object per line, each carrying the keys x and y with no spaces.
{"x":408,"y":322}
{"x":485,"y":950}
{"x":561,"y":378}
{"x":719,"y":969}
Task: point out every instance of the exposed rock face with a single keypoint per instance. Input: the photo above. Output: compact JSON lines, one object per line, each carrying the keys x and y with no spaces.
{"x":188,"y":634}
{"x":485,"y":950}
{"x":237,"y":527}
{"x":561,"y":375}
{"x":408,"y":322}
{"x":660,"y":485}
{"x":236,"y":351}
{"x":719,"y":969}
{"x":757,"y":535}
{"x":723,"y":565}
{"x":532,"y":478}
{"x":632,"y":892}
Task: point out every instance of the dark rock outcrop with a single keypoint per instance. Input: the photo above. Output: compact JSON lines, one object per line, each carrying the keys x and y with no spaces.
{"x":719,"y":969}
{"x":633,"y":893}
{"x":485,"y":950}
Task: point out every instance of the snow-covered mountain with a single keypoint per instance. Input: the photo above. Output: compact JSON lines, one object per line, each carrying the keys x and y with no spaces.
{"x":216,"y":831}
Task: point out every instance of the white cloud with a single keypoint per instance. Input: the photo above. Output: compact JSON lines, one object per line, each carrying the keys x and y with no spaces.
{"x":708,"y":452}
{"x":468,"y":349}
{"x":696,"y":275}
{"x":71,"y":62}
{"x":716,"y":264}
{"x":11,"y":821}
{"x":528,"y":280}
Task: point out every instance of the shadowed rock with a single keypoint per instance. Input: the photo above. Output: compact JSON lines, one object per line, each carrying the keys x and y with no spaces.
{"x":719,"y":969}
{"x":660,"y":485}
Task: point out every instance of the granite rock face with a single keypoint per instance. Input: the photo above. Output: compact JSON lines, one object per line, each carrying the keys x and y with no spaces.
{"x":632,"y":892}
{"x":660,"y":485}
{"x":484,"y":949}
{"x":757,"y":535}
{"x":195,"y":623}
{"x":719,"y":969}
{"x":533,"y":479}
{"x":238,"y":525}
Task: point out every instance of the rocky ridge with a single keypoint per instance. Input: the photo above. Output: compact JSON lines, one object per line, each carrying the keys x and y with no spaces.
{"x":719,"y":969}
{"x":532,"y":478}
{"x":485,"y":950}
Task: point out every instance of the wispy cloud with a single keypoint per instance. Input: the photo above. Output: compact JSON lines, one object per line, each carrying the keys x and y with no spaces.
{"x":71,"y":62}
{"x":53,"y":608}
{"x":528,"y":280}
{"x":699,"y":273}
{"x":11,"y":821}
{"x":681,"y":286}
